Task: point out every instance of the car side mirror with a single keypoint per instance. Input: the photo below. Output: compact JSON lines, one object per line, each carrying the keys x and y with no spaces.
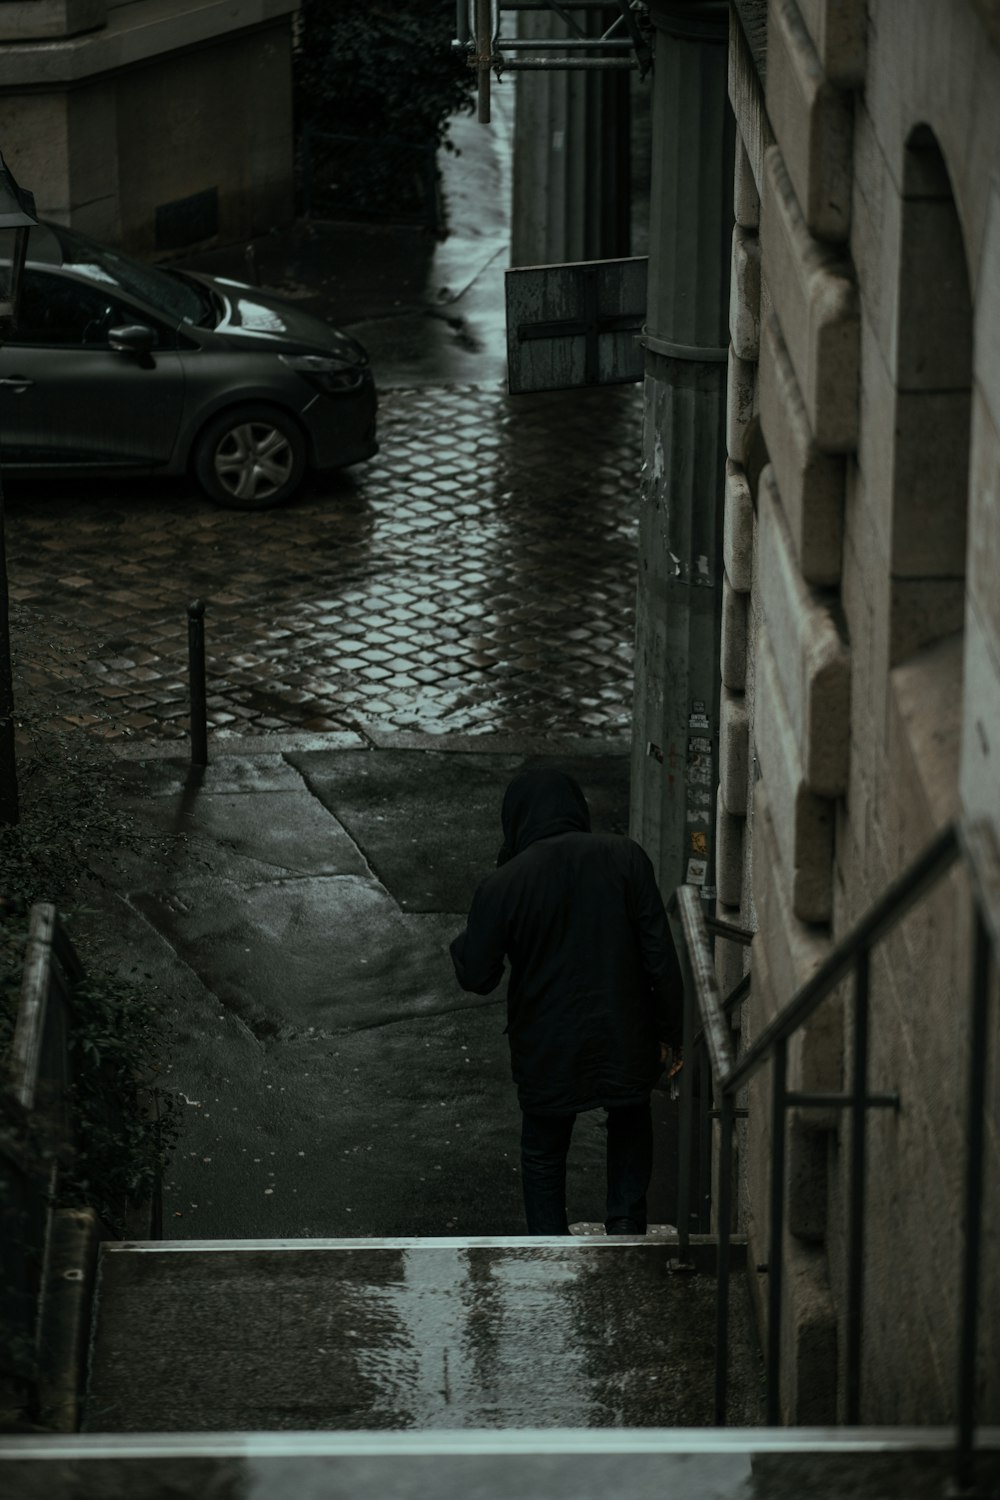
{"x":132,"y":338}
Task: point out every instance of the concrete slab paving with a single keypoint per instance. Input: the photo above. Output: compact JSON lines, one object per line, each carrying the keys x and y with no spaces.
{"x":413,"y":1334}
{"x":246,"y":838}
{"x":257,"y":769}
{"x":332,"y":952}
{"x":429,"y":824}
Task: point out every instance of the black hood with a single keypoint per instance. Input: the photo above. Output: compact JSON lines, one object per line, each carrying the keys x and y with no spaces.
{"x":539,"y":804}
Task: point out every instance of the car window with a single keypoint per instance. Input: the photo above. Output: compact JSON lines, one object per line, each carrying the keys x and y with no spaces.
{"x":174,"y":297}
{"x":57,"y":310}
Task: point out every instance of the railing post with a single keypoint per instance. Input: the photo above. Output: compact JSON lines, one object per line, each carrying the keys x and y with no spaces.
{"x":725,"y":1213}
{"x":856,"y":1223}
{"x":779,"y":1082}
{"x":973,"y":1217}
{"x":684,"y":1128}
{"x":196,"y":672}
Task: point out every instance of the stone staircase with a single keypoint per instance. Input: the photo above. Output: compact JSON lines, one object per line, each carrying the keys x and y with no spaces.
{"x":409,"y":1334}
{"x":543,"y":1369}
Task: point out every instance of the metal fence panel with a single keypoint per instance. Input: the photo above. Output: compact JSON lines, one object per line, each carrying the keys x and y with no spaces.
{"x":575,"y":325}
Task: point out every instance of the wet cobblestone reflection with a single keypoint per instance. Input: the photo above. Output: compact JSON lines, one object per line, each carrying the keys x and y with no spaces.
{"x":477,"y":576}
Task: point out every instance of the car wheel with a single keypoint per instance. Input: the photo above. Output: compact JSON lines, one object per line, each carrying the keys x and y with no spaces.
{"x":250,"y":457}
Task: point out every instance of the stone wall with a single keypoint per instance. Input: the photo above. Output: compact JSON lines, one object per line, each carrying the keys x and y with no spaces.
{"x":151,"y":126}
{"x":861,"y":638}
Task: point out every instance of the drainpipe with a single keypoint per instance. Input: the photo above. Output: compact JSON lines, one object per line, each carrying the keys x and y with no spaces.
{"x":675,"y":725}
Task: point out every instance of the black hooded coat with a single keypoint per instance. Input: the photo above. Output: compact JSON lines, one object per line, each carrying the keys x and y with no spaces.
{"x":594,"y":980}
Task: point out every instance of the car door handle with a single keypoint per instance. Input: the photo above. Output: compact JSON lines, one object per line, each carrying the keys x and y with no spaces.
{"x":19,"y":382}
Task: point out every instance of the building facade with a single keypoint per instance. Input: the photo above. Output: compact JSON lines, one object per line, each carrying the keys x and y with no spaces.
{"x":148,"y":124}
{"x":860,"y":647}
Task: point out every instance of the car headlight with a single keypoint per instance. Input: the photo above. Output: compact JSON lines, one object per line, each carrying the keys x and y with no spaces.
{"x":331,"y":375}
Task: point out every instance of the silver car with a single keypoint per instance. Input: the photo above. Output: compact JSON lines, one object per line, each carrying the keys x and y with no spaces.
{"x":117,"y":366}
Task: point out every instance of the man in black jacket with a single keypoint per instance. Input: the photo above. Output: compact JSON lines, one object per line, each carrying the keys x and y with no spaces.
{"x":594,"y":999}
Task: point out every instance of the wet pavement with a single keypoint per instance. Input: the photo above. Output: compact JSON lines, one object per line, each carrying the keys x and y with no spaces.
{"x":477,"y":577}
{"x":418,"y":1334}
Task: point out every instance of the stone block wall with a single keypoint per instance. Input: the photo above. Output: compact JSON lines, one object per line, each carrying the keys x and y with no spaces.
{"x":150,"y":126}
{"x":861,"y":639}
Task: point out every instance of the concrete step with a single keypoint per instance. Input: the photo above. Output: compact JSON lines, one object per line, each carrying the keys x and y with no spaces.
{"x":410,"y":1334}
{"x":527,"y":1465}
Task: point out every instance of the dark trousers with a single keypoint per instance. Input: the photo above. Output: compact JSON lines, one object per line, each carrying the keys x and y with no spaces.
{"x":544,"y":1146}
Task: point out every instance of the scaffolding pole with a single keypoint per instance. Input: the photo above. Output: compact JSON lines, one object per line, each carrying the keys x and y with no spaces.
{"x":478,"y":35}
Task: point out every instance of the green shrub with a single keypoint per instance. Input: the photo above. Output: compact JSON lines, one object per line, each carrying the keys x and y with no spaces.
{"x":383,"y":72}
{"x":73,"y":833}
{"x":124,"y":1123}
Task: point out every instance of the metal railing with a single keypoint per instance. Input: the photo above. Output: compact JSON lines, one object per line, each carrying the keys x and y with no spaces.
{"x":603,"y":47}
{"x":730,"y":1074}
{"x":697,"y":1112}
{"x":40,"y":1133}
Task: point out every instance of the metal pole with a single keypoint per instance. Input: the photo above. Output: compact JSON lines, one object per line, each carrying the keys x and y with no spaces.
{"x":774,"y":1268}
{"x":856,"y":1222}
{"x":196,"y":672}
{"x":722,"y":1266}
{"x":9,"y":809}
{"x":974,"y":1134}
{"x":484,"y":56}
{"x":577,"y":65}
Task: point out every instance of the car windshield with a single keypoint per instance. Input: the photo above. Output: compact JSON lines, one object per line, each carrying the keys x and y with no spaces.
{"x":176,"y":299}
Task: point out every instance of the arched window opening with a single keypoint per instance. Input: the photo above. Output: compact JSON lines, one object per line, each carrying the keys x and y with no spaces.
{"x":930,"y":494}
{"x":933,"y":409}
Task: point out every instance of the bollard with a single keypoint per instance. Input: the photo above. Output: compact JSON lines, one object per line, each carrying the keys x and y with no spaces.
{"x":196,"y":672}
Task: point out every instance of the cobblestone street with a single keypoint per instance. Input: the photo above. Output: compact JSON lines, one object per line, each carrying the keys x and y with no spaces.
{"x":478,"y":576}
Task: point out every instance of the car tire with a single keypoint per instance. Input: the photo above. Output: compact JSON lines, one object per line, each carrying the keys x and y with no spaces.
{"x":250,"y":457}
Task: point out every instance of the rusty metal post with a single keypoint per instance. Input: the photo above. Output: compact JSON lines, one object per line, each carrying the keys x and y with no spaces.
{"x":196,"y":673}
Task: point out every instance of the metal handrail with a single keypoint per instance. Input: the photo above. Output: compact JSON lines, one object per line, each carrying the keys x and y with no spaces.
{"x":877,"y":921}
{"x":730,"y":1075}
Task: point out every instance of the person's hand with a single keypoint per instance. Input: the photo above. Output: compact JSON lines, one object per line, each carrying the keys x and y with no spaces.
{"x":672,"y":1057}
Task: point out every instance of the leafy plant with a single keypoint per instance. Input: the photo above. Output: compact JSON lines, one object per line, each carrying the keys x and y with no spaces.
{"x":74,"y":832}
{"x":125,"y":1124}
{"x":383,"y":73}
